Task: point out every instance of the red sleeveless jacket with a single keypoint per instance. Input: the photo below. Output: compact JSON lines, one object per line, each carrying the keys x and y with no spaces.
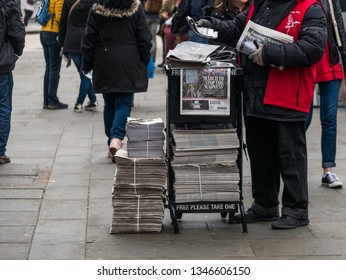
{"x":291,"y":88}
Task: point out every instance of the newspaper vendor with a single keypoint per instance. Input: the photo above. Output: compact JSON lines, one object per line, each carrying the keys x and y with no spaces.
{"x":278,"y":92}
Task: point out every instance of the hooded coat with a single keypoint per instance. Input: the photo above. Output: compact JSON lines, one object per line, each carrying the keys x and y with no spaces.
{"x":12,"y":29}
{"x":116,"y":46}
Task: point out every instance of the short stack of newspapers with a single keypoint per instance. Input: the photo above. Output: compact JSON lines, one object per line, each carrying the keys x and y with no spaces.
{"x":205,"y":165}
{"x":145,"y":137}
{"x":140,"y":181}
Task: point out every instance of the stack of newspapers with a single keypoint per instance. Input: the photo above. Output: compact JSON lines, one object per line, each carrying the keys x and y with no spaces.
{"x":205,"y":165}
{"x":194,"y":54}
{"x":145,"y":138}
{"x":138,"y":194}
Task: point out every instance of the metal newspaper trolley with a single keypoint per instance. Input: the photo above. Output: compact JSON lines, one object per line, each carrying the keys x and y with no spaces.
{"x":188,"y":110}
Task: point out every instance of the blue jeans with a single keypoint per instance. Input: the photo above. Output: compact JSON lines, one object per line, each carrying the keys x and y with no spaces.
{"x":52,"y":57}
{"x":117,"y":108}
{"x":329,"y":92}
{"x":85,"y":86}
{"x":6,"y":88}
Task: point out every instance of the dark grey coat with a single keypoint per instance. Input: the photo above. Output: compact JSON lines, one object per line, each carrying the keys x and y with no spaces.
{"x":72,"y":24}
{"x":11,"y":29}
{"x":116,"y":46}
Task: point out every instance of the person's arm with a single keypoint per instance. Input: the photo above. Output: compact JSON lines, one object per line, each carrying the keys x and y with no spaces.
{"x":58,"y":10}
{"x":89,"y":40}
{"x":229,"y":31}
{"x":309,"y":47}
{"x":16,"y":31}
{"x":143,"y":37}
{"x":63,"y":23}
{"x":342,"y":32}
{"x":163,"y":13}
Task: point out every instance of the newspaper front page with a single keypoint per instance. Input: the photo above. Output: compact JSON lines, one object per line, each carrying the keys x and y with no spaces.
{"x":205,"y":91}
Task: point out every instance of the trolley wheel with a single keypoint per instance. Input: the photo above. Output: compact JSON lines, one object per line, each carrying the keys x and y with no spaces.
{"x":223,"y":215}
{"x":174,"y":218}
{"x":179,"y":215}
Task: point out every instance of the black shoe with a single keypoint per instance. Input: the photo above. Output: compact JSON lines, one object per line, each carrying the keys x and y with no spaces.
{"x":45,"y":106}
{"x":289,"y":222}
{"x":252,"y":216}
{"x":58,"y":106}
{"x":4,"y":159}
{"x":160,"y":65}
{"x":91,"y":106}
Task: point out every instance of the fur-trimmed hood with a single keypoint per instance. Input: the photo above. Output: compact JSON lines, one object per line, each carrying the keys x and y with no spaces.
{"x":116,"y":8}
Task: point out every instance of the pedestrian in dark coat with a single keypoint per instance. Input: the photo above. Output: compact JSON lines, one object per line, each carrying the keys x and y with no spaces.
{"x":12,"y":40}
{"x":329,"y":75}
{"x":116,"y":46}
{"x":278,"y":91}
{"x":71,"y":29}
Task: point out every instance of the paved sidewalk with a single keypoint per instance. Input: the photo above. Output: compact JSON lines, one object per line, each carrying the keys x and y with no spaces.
{"x":55,"y":196}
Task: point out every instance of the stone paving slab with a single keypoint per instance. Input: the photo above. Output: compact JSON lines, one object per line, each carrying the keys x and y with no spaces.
{"x":18,"y":218}
{"x":59,"y":231}
{"x":303,"y":248}
{"x":166,"y":249}
{"x":16,"y":234}
{"x":62,"y":251}
{"x":20,"y":205}
{"x":21,"y":193}
{"x":14,"y":251}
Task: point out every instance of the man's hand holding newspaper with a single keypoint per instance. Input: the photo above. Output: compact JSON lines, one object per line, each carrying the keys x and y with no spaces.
{"x":255,"y":36}
{"x":202,"y":28}
{"x":257,"y":55}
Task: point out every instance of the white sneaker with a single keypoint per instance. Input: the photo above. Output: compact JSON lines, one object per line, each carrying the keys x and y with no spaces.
{"x":331,"y":180}
{"x":78,"y":108}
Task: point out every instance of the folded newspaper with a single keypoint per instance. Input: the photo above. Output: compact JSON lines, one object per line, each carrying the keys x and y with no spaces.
{"x":189,"y":51}
{"x":255,"y":35}
{"x":201,"y":31}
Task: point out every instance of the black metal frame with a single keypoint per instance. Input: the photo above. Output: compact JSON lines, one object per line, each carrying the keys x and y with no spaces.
{"x":173,"y":118}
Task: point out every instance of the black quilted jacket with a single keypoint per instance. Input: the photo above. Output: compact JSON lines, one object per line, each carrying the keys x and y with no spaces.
{"x":72,"y":24}
{"x":12,"y":29}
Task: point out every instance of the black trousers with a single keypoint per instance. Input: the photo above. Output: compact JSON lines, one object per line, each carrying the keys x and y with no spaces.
{"x":277,"y":149}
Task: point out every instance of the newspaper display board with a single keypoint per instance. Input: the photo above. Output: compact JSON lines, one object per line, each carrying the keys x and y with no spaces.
{"x":205,"y":91}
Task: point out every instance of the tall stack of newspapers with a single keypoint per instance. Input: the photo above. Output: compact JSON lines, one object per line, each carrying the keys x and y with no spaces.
{"x":205,"y":165}
{"x":140,"y":180}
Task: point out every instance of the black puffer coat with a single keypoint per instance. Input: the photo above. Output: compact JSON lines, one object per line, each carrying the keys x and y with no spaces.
{"x":306,"y":51}
{"x":116,"y":46}
{"x":12,"y":29}
{"x":72,"y":24}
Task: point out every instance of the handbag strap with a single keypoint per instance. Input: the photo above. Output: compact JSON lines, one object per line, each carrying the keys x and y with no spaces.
{"x":72,"y":7}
